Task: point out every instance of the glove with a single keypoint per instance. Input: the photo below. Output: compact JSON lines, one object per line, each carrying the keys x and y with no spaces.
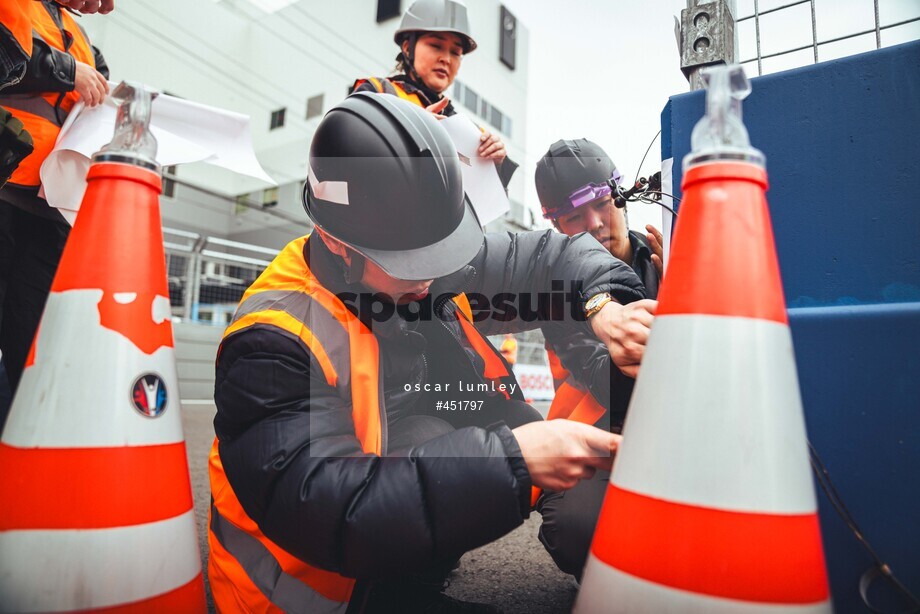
{"x":15,"y":144}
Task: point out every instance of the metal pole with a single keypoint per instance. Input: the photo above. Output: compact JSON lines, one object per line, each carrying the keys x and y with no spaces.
{"x":878,"y":31}
{"x":736,"y":46}
{"x":814,"y":30}
{"x":193,"y":274}
{"x":757,"y":32}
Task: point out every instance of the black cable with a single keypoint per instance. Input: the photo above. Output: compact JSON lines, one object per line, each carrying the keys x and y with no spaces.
{"x":643,"y":197}
{"x":651,"y":201}
{"x":836,"y":501}
{"x":648,"y":149}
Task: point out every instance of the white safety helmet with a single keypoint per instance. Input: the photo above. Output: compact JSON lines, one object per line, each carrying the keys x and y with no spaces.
{"x":436,"y":16}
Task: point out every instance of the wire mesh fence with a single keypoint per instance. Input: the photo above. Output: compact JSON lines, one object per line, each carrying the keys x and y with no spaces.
{"x":776,"y":35}
{"x":208,"y":275}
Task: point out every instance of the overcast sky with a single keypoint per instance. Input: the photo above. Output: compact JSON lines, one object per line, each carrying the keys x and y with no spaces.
{"x":604,"y":69}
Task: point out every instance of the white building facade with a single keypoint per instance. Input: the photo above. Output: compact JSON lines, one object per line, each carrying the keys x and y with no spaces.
{"x":285,"y":64}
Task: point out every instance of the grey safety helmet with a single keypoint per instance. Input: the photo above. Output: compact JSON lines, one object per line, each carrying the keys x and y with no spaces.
{"x":436,"y":16}
{"x":385,"y":179}
{"x":573,"y":173}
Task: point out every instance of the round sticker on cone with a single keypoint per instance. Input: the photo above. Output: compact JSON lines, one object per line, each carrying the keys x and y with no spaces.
{"x":149,"y":395}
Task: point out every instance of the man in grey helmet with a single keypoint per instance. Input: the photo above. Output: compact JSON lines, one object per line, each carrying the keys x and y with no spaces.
{"x":368,"y":434}
{"x":575,"y":182}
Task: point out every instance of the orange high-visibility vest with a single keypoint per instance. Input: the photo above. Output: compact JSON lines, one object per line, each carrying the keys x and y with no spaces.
{"x":573,"y":401}
{"x":16,"y":16}
{"x":42,"y":115}
{"x":247,"y":571}
{"x":386,"y":86}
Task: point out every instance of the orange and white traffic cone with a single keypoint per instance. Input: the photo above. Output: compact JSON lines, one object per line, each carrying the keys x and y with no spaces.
{"x":96,"y":510}
{"x":711,"y":505}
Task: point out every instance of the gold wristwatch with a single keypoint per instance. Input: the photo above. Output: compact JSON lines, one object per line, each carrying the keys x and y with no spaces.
{"x":596,"y":303}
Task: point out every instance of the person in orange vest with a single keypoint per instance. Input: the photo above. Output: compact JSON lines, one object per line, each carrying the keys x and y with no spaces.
{"x":63,"y":68}
{"x":509,"y":349}
{"x":368,"y":434}
{"x":16,"y":33}
{"x":573,"y":183}
{"x":433,"y":37}
{"x":15,"y":50}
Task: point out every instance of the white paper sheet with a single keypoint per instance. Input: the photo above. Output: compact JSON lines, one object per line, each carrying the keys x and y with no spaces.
{"x":480,"y":177}
{"x":667,"y":219}
{"x":185,"y":131}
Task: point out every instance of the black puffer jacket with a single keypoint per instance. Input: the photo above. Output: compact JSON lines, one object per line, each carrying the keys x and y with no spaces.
{"x":288,"y":445}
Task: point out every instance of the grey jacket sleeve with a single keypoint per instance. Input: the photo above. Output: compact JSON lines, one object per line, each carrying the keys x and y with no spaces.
{"x":523,"y":278}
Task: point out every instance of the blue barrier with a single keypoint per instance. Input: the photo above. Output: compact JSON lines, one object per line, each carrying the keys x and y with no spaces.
{"x":842,"y":141}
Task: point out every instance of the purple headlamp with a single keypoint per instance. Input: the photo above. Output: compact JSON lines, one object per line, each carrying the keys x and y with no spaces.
{"x":585,"y":194}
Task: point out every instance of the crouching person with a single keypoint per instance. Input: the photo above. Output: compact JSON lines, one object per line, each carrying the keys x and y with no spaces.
{"x":575,"y":182}
{"x":336,"y":483}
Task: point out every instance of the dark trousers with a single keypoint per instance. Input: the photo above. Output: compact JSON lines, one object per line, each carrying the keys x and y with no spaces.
{"x":30,"y":249}
{"x":569,"y":519}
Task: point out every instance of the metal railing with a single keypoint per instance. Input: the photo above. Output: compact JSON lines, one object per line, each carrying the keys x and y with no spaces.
{"x":208,"y":275}
{"x":815,"y":44}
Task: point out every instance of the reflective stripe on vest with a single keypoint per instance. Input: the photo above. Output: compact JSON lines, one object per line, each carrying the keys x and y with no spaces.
{"x":265,"y":578}
{"x":281,"y":589}
{"x":245,"y":566}
{"x":32,"y":104}
{"x":42,"y":114}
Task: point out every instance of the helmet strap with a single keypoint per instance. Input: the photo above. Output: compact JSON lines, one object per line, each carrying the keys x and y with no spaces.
{"x":409,"y":57}
{"x":354,"y":272}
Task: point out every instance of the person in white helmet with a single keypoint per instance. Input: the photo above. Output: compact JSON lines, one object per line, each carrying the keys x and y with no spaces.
{"x":433,"y":38}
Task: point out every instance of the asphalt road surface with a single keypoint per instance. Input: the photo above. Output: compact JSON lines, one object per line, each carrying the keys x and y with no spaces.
{"x":514,"y":573}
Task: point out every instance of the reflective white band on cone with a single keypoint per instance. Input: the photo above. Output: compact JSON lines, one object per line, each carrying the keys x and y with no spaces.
{"x":78,"y":391}
{"x":625,"y":593}
{"x":716,"y":418}
{"x":68,"y":570}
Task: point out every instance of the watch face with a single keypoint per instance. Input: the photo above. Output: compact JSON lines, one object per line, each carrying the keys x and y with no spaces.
{"x":597,"y":301}
{"x":594,"y":301}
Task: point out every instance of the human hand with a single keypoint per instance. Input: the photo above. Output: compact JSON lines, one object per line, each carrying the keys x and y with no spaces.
{"x":624,"y":329}
{"x":90,"y":84}
{"x":559,"y":453}
{"x":656,"y":242}
{"x":437,"y":107}
{"x":89,"y":6}
{"x":490,"y":146}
